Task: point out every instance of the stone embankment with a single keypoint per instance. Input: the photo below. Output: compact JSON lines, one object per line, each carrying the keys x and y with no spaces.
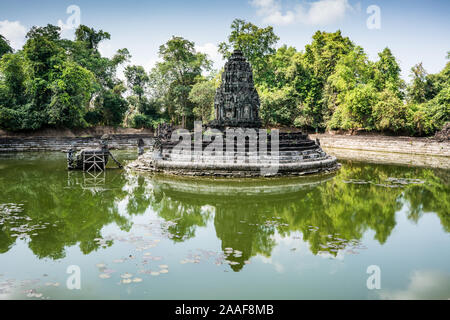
{"x":425,"y":152}
{"x":36,"y":143}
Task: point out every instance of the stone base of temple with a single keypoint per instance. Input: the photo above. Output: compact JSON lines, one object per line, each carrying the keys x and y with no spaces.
{"x":237,"y":171}
{"x":296,"y":155}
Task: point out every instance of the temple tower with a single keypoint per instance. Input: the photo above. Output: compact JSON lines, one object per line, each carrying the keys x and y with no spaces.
{"x":237,"y":102}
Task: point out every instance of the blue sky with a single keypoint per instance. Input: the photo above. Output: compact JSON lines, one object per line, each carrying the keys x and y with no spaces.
{"x":416,"y":31}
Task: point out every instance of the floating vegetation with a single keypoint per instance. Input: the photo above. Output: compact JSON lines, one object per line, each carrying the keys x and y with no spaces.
{"x":390,"y":182}
{"x":119,"y":260}
{"x":33,"y":294}
{"x":20,"y":224}
{"x":275,"y":223}
{"x":52,"y":284}
{"x":104,"y":243}
{"x":337,"y":244}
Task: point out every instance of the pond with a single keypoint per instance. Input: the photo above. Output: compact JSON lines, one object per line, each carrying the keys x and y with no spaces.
{"x":122,"y":235}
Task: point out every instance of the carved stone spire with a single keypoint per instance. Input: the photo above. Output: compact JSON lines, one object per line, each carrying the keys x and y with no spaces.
{"x":237,"y":101}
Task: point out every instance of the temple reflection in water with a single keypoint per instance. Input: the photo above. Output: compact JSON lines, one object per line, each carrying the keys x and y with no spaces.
{"x":330,"y":213}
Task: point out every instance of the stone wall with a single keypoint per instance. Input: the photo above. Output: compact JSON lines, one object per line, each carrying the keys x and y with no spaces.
{"x":407,"y":145}
{"x":424,"y":152}
{"x":26,"y":144}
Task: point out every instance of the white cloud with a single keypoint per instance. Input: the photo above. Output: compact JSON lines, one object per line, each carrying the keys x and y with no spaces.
{"x":213,"y":54}
{"x":271,"y":11}
{"x":320,"y":12}
{"x":151,"y":63}
{"x":423,"y":285}
{"x":67,"y":32}
{"x":106,"y":49}
{"x":13,"y":31}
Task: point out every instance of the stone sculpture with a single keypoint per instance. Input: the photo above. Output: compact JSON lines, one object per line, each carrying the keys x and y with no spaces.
{"x":237,"y":102}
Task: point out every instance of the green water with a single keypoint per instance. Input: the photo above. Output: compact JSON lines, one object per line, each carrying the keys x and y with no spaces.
{"x":309,"y":238}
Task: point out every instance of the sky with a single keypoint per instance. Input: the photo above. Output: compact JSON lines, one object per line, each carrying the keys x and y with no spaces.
{"x":416,"y":31}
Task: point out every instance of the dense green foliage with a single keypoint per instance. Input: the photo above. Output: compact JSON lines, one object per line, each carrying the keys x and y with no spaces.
{"x":255,"y":43}
{"x":202,"y":95}
{"x":181,"y":68}
{"x":331,"y":84}
{"x":4,"y":46}
{"x":60,"y":83}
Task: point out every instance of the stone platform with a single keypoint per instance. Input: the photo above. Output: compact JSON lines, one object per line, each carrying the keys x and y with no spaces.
{"x":296,"y":155}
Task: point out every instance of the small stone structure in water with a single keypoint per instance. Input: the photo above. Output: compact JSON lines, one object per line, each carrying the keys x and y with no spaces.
{"x":91,"y":159}
{"x":235,"y":144}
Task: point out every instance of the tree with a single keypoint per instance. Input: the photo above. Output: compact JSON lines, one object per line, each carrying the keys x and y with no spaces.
{"x":91,"y":37}
{"x":428,"y":97}
{"x":4,"y":46}
{"x":279,"y":106}
{"x":255,"y":43}
{"x":202,"y":95}
{"x":14,"y":80}
{"x":387,"y":73}
{"x":182,"y":67}
{"x":71,"y":94}
{"x":43,"y":53}
{"x":52,"y":81}
{"x":389,"y":113}
{"x":419,"y":88}
{"x":349,"y":92}
{"x":355,"y":109}
{"x":49,"y":32}
{"x":112,"y":105}
{"x":137,"y":80}
{"x":438,"y":108}
{"x":325,"y":51}
{"x":109,"y":102}
{"x":321,"y":57}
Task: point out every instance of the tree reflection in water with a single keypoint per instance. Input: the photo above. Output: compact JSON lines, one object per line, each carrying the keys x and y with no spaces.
{"x":54,"y":210}
{"x":331,"y":213}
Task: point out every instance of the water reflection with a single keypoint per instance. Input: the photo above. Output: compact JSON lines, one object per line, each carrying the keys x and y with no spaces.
{"x":52,"y":210}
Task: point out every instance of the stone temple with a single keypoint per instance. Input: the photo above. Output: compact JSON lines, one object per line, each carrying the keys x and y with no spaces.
{"x":237,"y":102}
{"x":234,"y":144}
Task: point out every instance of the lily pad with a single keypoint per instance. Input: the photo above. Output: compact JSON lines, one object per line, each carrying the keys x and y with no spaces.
{"x":118,"y":261}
